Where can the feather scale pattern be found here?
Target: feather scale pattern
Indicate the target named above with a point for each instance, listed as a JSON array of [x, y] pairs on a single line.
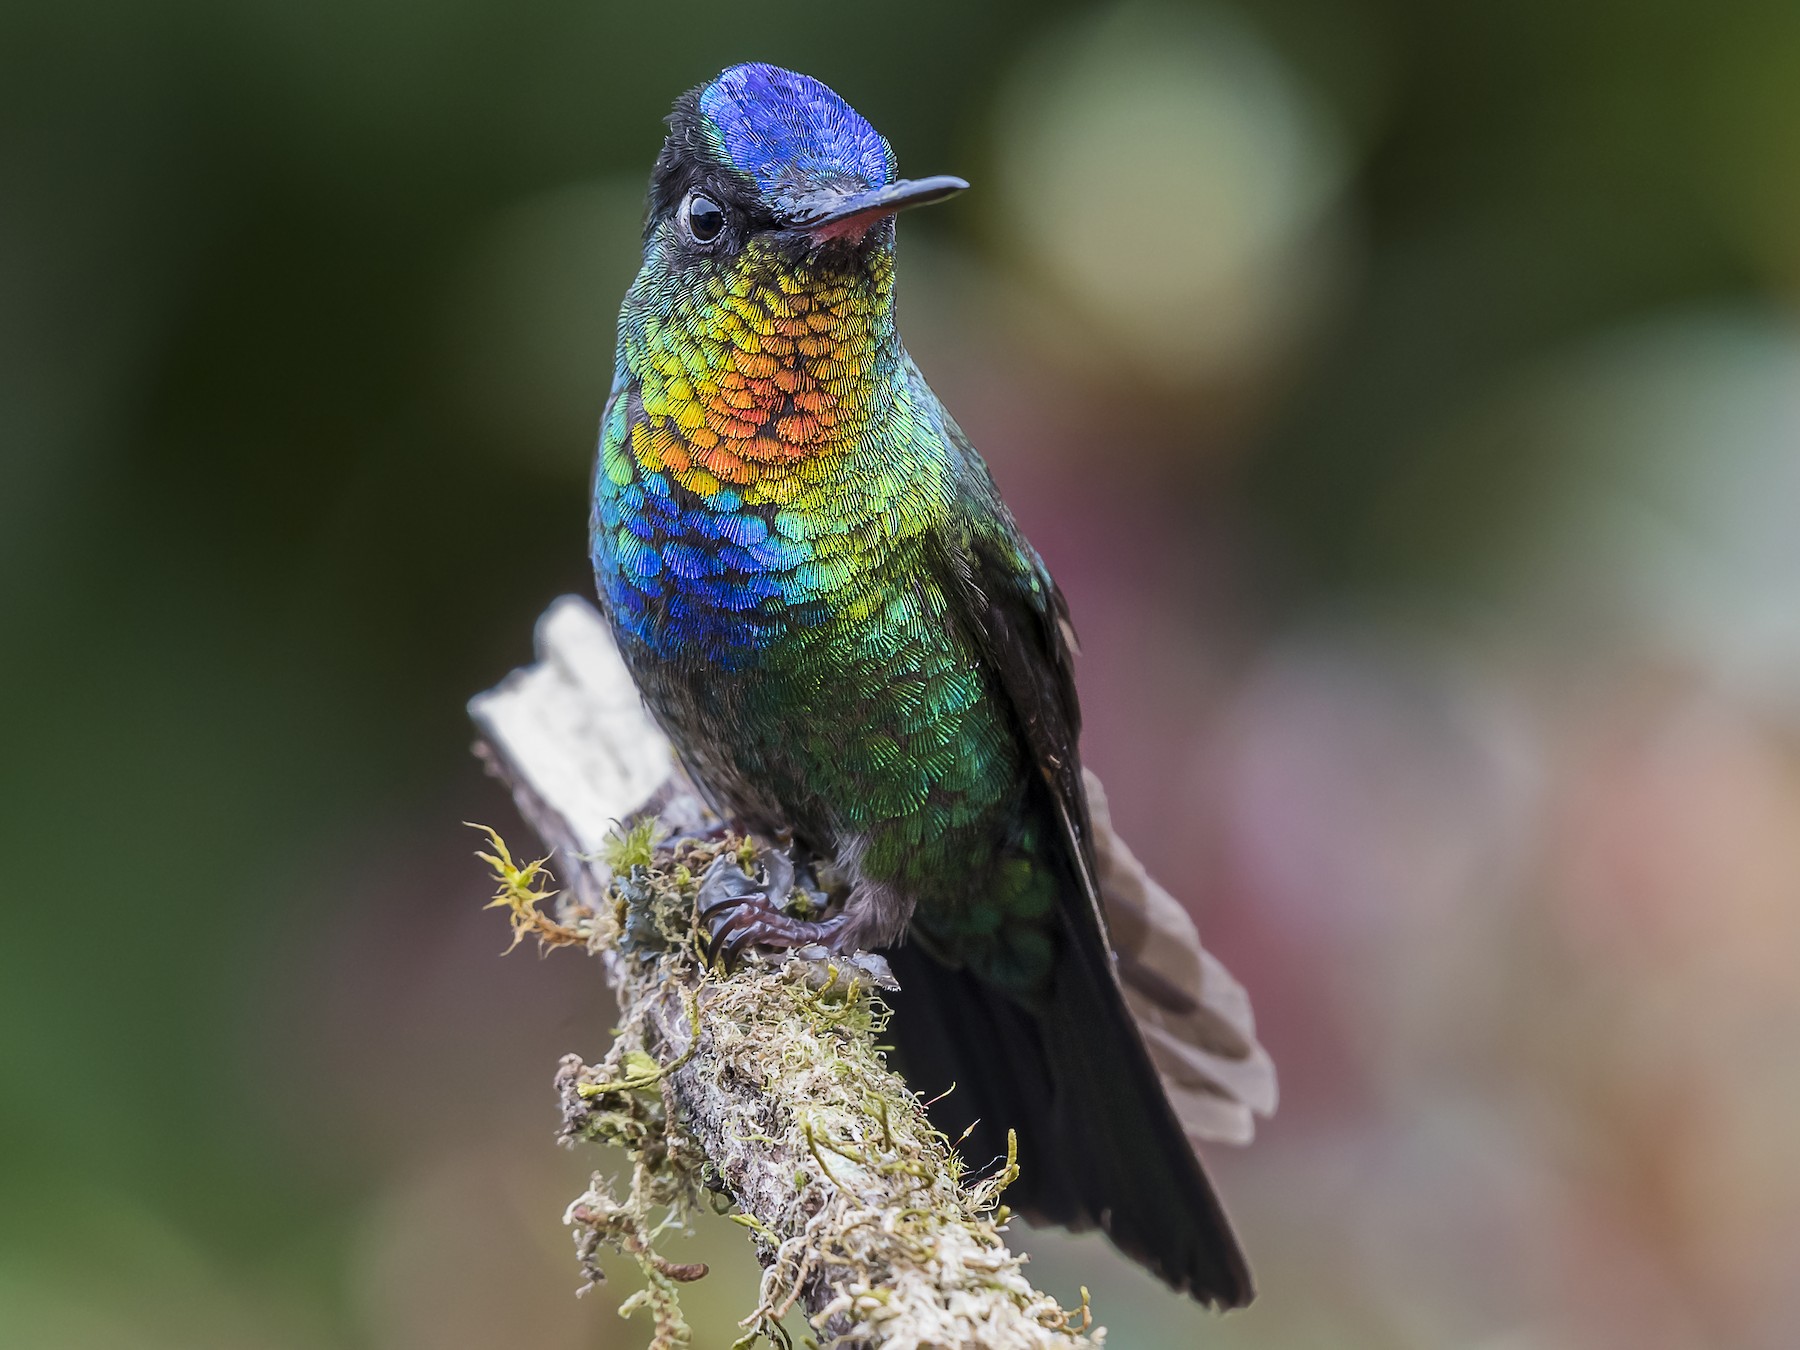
[[830, 610]]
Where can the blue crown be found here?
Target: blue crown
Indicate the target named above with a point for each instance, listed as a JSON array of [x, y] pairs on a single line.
[[791, 134]]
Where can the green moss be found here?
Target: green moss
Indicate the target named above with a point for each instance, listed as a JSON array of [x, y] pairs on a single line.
[[633, 847], [876, 1207]]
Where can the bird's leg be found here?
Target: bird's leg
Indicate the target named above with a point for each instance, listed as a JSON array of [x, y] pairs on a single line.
[[740, 912]]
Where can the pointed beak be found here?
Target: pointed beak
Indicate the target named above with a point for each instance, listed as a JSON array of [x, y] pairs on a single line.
[[838, 215]]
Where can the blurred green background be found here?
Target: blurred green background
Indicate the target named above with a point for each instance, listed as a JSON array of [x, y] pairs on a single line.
[[1407, 395]]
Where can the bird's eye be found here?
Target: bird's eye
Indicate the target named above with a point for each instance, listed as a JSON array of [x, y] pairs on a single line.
[[703, 217]]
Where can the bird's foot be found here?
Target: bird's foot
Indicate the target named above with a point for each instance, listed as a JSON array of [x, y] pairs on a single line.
[[740, 912]]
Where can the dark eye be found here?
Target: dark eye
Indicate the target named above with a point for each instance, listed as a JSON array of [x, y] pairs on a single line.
[[704, 217]]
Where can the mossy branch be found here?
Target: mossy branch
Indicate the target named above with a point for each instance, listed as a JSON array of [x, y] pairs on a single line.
[[761, 1092]]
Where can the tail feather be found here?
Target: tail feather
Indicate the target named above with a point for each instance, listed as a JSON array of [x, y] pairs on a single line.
[[1194, 1017], [1098, 1142], [1110, 1082]]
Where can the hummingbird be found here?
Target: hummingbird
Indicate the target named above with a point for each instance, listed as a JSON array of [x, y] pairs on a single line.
[[829, 609]]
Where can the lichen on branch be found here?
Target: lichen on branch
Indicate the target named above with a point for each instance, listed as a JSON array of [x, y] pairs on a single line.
[[763, 1093]]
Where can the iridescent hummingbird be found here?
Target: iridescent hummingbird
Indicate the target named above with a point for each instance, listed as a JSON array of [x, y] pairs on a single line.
[[833, 615]]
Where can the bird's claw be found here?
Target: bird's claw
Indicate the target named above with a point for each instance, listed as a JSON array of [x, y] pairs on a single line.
[[740, 913], [836, 973]]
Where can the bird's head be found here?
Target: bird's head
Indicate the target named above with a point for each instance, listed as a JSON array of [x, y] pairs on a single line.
[[766, 169], [760, 331]]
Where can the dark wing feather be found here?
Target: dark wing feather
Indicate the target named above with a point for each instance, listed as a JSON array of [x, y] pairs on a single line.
[[1099, 1142], [1028, 640]]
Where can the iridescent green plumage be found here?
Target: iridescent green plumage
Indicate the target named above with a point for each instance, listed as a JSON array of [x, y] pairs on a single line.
[[827, 605]]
